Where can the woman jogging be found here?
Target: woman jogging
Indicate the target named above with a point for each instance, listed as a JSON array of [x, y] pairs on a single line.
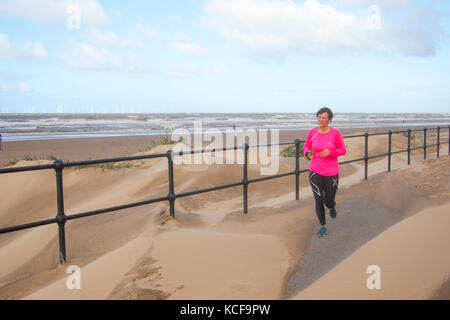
[[327, 145]]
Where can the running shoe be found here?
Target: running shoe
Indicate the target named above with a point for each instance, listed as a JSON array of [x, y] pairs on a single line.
[[323, 231], [333, 213]]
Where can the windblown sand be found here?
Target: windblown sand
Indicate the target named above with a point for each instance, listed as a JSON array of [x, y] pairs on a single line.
[[211, 250]]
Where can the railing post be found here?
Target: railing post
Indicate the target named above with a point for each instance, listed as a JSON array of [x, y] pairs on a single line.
[[390, 151], [438, 141], [424, 143], [60, 216], [366, 154], [297, 168], [171, 195], [245, 178], [409, 147]]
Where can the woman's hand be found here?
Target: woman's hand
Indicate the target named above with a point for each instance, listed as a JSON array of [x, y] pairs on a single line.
[[308, 155], [325, 153]]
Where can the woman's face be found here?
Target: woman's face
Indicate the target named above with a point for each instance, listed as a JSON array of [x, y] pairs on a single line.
[[323, 120]]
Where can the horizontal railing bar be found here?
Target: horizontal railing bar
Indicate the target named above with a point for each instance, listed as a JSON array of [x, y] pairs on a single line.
[[275, 144], [400, 131], [98, 161], [399, 151], [190, 152], [29, 168], [190, 193], [433, 145], [378, 133], [271, 177], [281, 144], [28, 225], [350, 161], [181, 153], [125, 206], [378, 155], [199, 151], [354, 136], [434, 128]]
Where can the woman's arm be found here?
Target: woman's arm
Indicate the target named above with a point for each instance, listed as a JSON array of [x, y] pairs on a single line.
[[340, 149], [308, 144]]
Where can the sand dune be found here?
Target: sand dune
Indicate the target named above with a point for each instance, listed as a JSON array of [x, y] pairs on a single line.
[[379, 144], [212, 250]]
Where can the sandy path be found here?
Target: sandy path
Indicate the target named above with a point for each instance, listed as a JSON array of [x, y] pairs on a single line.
[[209, 266], [412, 256], [368, 209]]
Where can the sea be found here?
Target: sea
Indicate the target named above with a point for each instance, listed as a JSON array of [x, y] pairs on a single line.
[[20, 127]]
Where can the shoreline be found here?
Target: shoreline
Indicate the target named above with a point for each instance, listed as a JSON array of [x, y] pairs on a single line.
[[77, 135]]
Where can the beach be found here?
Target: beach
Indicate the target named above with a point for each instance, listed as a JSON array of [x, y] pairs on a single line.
[[211, 250], [77, 149]]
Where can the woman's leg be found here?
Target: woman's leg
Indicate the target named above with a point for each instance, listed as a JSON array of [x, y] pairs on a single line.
[[330, 186], [316, 181]]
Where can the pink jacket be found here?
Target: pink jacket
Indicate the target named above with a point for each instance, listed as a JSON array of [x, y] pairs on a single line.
[[333, 141]]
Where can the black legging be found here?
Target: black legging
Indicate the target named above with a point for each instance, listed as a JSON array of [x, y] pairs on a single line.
[[324, 189]]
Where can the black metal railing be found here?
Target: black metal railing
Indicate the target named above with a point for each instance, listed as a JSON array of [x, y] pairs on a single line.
[[61, 217]]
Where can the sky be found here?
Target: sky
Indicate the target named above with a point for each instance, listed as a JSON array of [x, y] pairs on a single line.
[[224, 56]]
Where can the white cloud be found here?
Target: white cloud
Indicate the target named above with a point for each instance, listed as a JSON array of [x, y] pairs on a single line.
[[285, 27], [54, 10], [183, 44], [107, 38], [86, 56], [187, 48], [385, 5], [30, 51], [104, 50], [147, 31], [34, 50]]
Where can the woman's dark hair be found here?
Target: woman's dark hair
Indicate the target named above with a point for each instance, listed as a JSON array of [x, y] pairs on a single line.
[[327, 110]]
